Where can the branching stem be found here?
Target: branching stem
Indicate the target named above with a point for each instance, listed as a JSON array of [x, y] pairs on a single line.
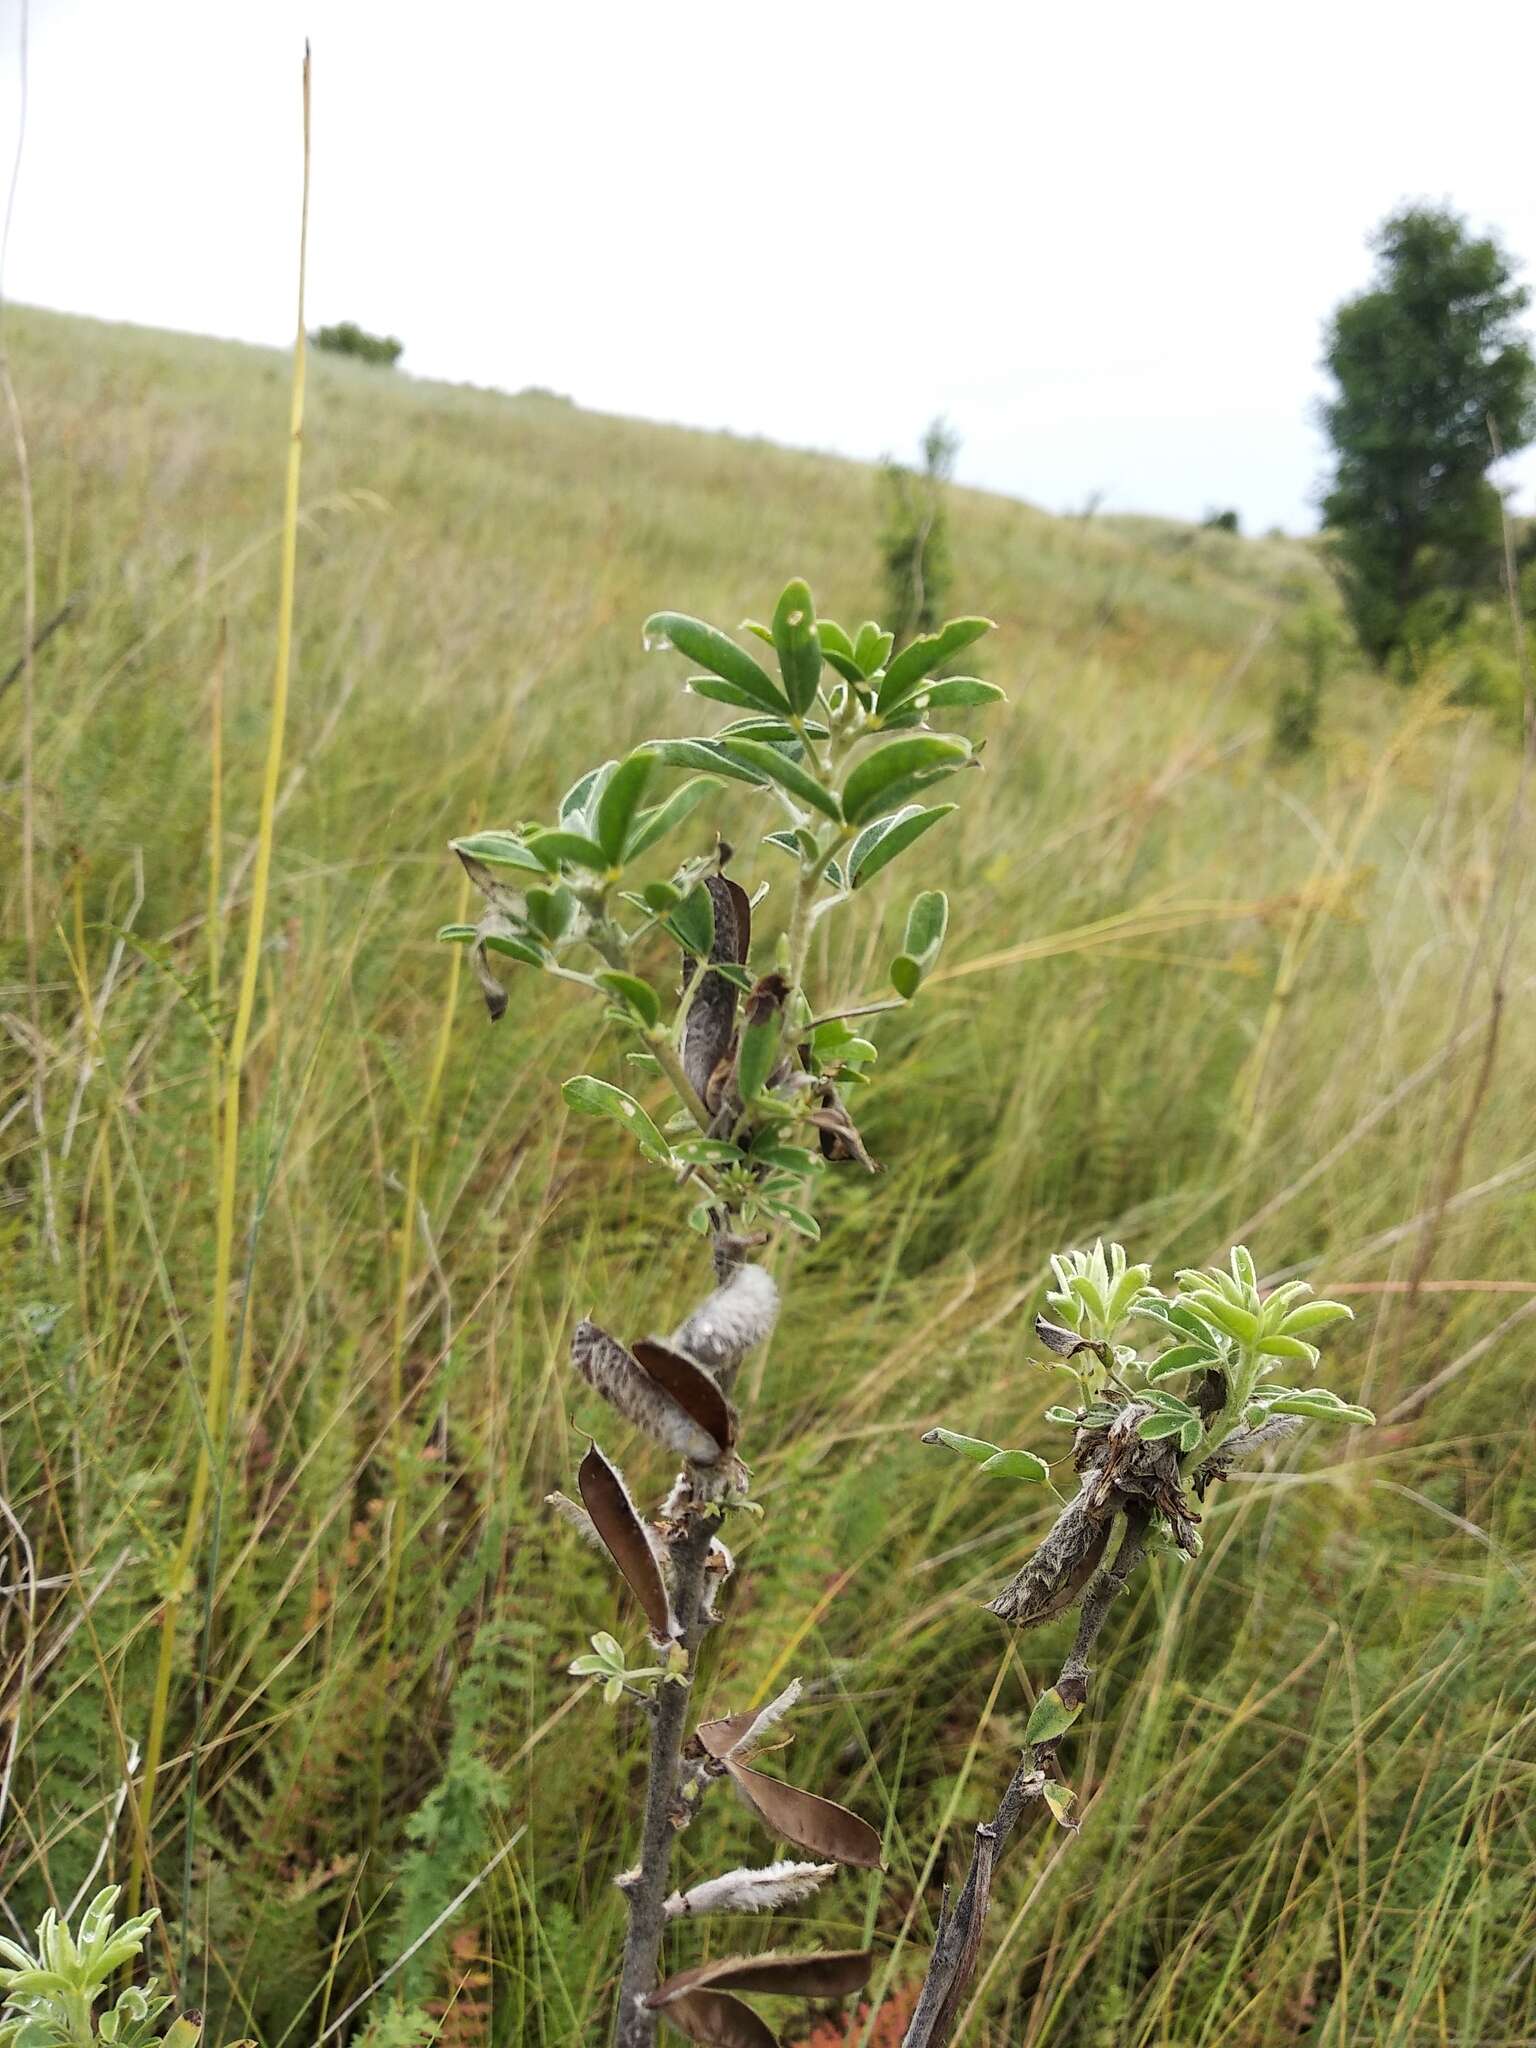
[[953, 1962]]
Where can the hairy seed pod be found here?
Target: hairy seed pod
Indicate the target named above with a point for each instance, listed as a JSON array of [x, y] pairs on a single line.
[[727, 1325], [752, 1891], [612, 1371]]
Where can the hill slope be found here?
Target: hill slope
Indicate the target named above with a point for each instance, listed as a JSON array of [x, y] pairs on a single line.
[[1188, 996]]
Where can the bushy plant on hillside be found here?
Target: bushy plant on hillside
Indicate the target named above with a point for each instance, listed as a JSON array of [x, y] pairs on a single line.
[[757, 1074], [1150, 1437], [1312, 641], [914, 539], [346, 338]]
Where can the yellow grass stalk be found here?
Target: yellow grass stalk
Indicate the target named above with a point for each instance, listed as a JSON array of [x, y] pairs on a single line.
[[399, 1422], [212, 1440]]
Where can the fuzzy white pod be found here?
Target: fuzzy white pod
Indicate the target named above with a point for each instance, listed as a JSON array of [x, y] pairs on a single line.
[[731, 1321], [751, 1891]]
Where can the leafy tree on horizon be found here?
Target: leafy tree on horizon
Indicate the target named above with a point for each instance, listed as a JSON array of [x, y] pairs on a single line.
[[1424, 360]]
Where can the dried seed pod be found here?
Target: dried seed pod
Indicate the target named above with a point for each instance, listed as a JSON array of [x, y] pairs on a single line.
[[740, 1736], [628, 1541], [711, 1020], [1054, 1577], [831, 1973], [575, 1516], [691, 1387], [820, 1825], [624, 1384], [731, 1321], [752, 1891], [838, 1134], [716, 2020]]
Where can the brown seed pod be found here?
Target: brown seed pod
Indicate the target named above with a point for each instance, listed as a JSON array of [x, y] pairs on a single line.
[[717, 2020], [691, 1387], [711, 1021], [1054, 1577], [639, 1396], [628, 1542], [830, 1973], [820, 1825]]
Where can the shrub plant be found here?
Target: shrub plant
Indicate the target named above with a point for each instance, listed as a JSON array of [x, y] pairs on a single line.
[[751, 1077]]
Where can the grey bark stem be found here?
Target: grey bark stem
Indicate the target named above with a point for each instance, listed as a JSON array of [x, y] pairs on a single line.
[[669, 1724], [953, 1962]]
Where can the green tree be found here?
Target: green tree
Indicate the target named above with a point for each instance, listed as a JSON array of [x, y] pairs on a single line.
[[1423, 360]]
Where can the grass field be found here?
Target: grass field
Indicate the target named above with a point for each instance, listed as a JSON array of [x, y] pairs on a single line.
[[1189, 995]]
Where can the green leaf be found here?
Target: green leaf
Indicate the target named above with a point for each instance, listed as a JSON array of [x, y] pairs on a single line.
[[660, 897], [550, 911], [884, 780], [635, 994], [1277, 1345], [793, 839], [872, 648], [1017, 1465], [498, 850], [708, 755], [1226, 1315], [772, 766], [458, 934], [1316, 1315], [792, 1214], [515, 949], [1179, 1359], [692, 923], [1321, 1404], [663, 818], [1049, 1718], [708, 1152], [756, 1054], [955, 690], [1088, 1294], [799, 650], [718, 691], [592, 1097], [1154, 1426], [579, 800], [619, 802], [789, 1158], [778, 730], [1190, 1434], [1060, 1799], [927, 922], [878, 844], [722, 657], [559, 849], [923, 655], [837, 649], [971, 1447]]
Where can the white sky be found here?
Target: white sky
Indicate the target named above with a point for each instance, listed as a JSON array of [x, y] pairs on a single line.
[[1101, 238]]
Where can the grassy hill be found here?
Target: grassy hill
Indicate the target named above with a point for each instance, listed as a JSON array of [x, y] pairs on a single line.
[[1190, 996]]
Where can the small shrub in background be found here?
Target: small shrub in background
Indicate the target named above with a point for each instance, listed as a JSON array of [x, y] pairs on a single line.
[[914, 541], [346, 338], [1313, 643], [1222, 522]]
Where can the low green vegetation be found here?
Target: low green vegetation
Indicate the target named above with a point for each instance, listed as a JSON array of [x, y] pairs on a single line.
[[1204, 994]]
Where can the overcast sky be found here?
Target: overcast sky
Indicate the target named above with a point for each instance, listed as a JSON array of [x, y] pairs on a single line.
[[1102, 239]]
